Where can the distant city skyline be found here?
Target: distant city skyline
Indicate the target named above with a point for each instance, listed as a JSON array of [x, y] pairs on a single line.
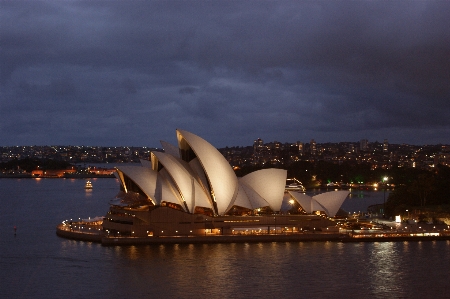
[[378, 155], [129, 73], [251, 143]]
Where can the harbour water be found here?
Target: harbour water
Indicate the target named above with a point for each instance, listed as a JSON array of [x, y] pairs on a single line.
[[35, 263]]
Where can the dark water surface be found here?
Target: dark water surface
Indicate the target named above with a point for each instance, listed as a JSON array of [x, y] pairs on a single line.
[[37, 264]]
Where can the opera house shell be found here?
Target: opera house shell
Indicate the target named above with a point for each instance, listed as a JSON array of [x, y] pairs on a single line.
[[193, 190]]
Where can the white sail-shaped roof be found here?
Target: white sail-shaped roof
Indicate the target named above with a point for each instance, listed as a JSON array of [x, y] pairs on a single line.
[[240, 200], [200, 198], [189, 189], [150, 182], [316, 206], [180, 177], [256, 200], [170, 149], [146, 163], [331, 201], [221, 177], [198, 175], [303, 200], [173, 187], [269, 183]]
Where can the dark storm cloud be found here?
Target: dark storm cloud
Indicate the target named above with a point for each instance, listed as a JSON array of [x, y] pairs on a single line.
[[130, 72], [187, 90]]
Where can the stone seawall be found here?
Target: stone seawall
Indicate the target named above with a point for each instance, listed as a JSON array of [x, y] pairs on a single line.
[[100, 237], [318, 237], [80, 236]]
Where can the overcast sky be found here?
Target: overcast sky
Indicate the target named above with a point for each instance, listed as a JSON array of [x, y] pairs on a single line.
[[128, 73]]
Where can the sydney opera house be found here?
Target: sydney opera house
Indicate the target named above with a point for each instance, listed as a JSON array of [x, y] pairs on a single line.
[[192, 190]]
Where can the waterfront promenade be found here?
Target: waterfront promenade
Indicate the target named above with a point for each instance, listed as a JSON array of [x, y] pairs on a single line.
[[83, 231]]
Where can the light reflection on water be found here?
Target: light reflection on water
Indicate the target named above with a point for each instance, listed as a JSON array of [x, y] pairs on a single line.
[[384, 269], [290, 270], [38, 264]]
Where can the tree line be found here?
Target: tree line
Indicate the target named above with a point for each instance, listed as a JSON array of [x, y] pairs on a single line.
[[427, 189], [30, 164]]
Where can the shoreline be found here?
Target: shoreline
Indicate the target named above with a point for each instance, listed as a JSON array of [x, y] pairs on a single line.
[[104, 240]]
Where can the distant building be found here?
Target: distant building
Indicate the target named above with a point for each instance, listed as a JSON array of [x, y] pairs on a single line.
[[385, 146], [259, 151], [313, 147], [364, 145], [351, 148], [258, 143], [300, 148], [442, 158]]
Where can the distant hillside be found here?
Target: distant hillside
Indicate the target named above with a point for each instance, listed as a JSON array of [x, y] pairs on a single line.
[[29, 164], [427, 195]]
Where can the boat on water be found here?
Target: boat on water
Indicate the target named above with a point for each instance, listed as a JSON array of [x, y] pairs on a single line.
[[88, 185], [294, 185]]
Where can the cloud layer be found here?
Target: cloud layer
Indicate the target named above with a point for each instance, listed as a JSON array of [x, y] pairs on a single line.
[[131, 72]]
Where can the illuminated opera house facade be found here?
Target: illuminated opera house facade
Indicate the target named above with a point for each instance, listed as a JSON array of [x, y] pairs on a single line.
[[191, 190]]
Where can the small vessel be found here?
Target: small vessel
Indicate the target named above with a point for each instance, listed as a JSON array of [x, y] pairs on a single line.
[[88, 185], [294, 185]]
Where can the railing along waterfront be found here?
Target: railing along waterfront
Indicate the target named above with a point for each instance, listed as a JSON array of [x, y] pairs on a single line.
[[396, 234], [399, 236]]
